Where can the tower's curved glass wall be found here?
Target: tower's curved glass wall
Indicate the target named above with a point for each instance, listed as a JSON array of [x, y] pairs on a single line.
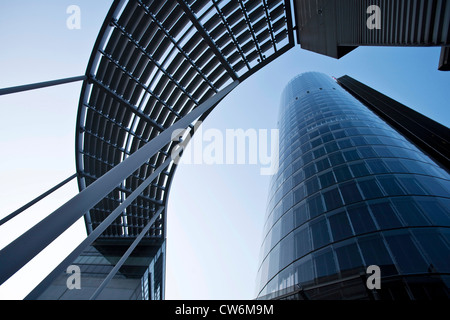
[[351, 192]]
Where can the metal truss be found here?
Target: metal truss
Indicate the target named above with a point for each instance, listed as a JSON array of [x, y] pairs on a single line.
[[153, 63]]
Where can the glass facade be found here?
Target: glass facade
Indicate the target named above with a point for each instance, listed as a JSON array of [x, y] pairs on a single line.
[[351, 192], [141, 277]]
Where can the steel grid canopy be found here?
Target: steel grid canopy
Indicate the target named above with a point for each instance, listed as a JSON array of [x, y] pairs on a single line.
[[154, 62]]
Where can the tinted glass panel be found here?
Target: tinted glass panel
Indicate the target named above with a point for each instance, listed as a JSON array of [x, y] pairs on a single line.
[[370, 188], [300, 214], [436, 249], [312, 185], [406, 253], [332, 199], [391, 185], [350, 192], [327, 179], [385, 215], [319, 231], [340, 226], [325, 265], [409, 212], [436, 212], [412, 185], [377, 166], [361, 219], [342, 173], [359, 169], [315, 205], [304, 270], [302, 242], [336, 159], [374, 252], [348, 257], [351, 155]]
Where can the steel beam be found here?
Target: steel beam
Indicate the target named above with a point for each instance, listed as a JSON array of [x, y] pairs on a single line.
[[39, 85], [19, 252], [95, 233], [37, 199]]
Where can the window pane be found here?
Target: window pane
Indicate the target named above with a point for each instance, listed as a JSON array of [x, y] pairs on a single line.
[[319, 232], [348, 257], [325, 265], [336, 159], [310, 170], [361, 220], [342, 173], [374, 252], [370, 188], [359, 169], [359, 141], [343, 144], [327, 179], [312, 185], [367, 152], [351, 155], [304, 270], [385, 215], [438, 214], [415, 166], [340, 226], [286, 251], [332, 199], [302, 242], [319, 152], [391, 185], [300, 214], [274, 260], [299, 193], [287, 223], [315, 205], [395, 165], [322, 164], [409, 212], [331, 147], [435, 248], [434, 186], [350, 192], [412, 185], [377, 166], [406, 254]]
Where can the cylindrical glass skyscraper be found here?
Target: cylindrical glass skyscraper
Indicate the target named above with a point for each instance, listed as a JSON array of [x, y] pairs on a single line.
[[351, 192]]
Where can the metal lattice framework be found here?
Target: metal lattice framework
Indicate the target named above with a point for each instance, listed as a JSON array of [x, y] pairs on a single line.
[[153, 63]]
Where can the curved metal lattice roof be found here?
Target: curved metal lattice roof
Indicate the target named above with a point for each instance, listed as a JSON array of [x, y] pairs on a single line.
[[153, 63]]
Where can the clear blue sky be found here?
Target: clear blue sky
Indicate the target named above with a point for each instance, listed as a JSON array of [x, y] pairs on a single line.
[[216, 212]]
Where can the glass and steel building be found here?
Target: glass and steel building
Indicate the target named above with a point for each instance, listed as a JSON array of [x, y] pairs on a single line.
[[351, 192], [160, 66]]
